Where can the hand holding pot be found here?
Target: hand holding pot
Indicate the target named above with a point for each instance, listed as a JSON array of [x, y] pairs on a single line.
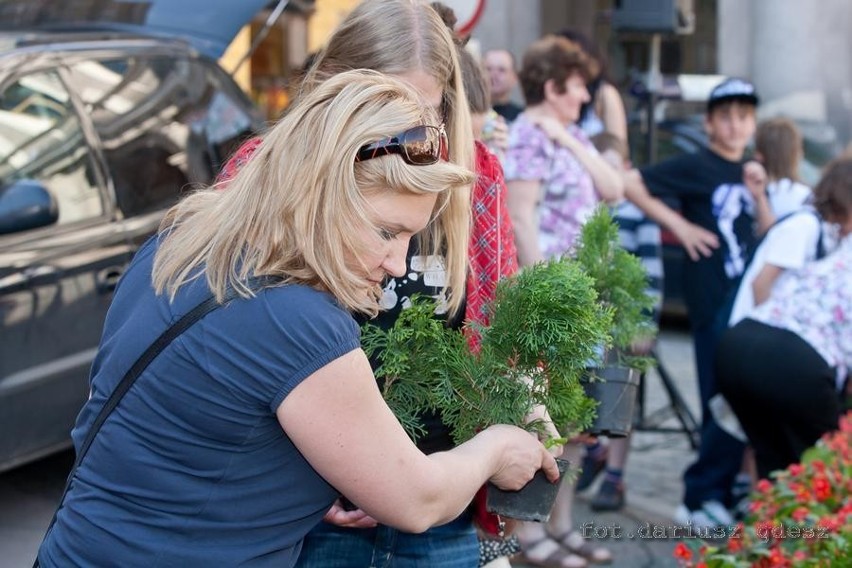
[[355, 519], [540, 414], [521, 457]]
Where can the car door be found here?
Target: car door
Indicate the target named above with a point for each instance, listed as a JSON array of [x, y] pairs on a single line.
[[157, 122], [55, 280]]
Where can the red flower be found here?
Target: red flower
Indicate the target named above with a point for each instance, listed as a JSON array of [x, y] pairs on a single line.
[[682, 552], [777, 558], [814, 494], [822, 488], [735, 545], [801, 492], [829, 523]]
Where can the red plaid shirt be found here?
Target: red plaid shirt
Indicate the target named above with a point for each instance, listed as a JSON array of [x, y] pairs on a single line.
[[492, 253]]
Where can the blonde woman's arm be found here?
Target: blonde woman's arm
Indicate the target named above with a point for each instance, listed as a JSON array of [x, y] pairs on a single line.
[[339, 421]]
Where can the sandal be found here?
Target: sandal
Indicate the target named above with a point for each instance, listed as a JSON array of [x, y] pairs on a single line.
[[574, 542], [549, 553]]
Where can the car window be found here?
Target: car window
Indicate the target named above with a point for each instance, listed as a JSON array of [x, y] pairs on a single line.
[[165, 124], [41, 141]]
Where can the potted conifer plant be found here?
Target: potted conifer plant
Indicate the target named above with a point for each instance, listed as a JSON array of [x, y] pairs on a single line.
[[621, 283], [545, 323]]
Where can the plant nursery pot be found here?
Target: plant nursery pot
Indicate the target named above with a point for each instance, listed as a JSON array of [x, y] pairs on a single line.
[[532, 502], [616, 392]]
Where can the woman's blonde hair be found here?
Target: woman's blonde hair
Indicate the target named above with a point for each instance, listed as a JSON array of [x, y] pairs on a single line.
[[293, 210], [398, 37]]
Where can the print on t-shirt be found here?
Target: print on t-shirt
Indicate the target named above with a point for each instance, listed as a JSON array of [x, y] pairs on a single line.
[[426, 272], [729, 202]]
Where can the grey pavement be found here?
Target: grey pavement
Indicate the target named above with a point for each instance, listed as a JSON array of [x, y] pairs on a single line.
[[653, 476]]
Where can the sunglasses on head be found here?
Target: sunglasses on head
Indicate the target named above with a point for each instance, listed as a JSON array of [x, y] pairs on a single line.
[[419, 146]]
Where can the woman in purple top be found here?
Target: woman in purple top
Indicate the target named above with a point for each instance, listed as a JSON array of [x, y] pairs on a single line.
[[554, 174], [555, 179]]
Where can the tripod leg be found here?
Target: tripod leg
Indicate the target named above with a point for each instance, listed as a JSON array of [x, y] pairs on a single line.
[[639, 413], [684, 415]]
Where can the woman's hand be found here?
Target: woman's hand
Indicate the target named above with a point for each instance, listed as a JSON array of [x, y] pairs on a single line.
[[554, 129], [521, 457], [498, 138], [356, 519], [549, 432]]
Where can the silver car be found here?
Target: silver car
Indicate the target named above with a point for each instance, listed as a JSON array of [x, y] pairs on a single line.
[[108, 112]]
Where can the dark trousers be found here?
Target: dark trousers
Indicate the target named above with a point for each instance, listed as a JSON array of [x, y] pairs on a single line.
[[782, 391], [720, 455]]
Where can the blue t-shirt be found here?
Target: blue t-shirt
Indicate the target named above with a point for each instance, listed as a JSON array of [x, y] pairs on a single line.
[[193, 468]]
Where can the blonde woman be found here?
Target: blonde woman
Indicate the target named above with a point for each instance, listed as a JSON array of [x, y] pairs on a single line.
[[237, 438], [409, 40]]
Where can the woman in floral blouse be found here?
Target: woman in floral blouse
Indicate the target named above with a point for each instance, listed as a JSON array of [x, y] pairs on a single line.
[[782, 367], [554, 174]]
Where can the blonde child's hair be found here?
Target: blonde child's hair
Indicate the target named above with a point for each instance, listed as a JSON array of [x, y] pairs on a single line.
[[779, 143]]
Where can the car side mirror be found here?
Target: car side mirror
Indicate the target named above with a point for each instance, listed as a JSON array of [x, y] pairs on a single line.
[[26, 204]]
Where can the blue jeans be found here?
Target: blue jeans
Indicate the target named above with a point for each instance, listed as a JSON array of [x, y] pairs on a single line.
[[453, 545], [720, 455]]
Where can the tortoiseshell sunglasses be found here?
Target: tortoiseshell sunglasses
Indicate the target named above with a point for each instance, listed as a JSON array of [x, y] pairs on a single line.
[[419, 146]]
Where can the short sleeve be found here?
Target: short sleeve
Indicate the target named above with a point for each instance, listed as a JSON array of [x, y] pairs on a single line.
[[529, 153], [266, 346], [792, 242], [666, 179]]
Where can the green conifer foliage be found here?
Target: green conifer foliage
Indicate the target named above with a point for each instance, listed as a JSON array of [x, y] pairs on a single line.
[[621, 283], [545, 326]]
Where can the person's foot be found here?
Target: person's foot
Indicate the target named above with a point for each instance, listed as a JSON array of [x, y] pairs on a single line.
[[740, 491], [593, 464], [711, 514], [549, 553], [577, 544], [610, 496]]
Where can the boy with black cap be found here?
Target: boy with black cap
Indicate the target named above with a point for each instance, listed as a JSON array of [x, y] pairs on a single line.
[[724, 207]]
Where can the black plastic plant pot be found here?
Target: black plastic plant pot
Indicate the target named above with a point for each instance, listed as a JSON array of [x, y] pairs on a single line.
[[615, 389], [532, 502]]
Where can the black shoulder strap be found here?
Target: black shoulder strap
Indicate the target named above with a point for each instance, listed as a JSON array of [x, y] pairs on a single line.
[[185, 322]]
